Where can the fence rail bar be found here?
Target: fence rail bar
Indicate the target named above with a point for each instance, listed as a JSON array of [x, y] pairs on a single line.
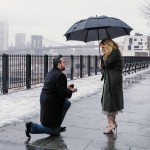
[[72, 70], [5, 73], [28, 71]]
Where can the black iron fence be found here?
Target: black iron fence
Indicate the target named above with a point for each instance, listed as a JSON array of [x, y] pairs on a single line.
[[132, 64], [26, 70]]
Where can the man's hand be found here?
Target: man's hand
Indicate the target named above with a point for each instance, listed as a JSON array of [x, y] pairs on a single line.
[[74, 90], [71, 87]]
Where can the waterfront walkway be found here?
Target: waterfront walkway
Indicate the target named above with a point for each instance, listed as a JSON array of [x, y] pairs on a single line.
[[85, 124]]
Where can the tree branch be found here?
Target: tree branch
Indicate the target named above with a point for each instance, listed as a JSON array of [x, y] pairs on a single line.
[[145, 11]]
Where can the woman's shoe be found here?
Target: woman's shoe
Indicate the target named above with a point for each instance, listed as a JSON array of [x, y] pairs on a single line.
[[116, 129], [109, 130]]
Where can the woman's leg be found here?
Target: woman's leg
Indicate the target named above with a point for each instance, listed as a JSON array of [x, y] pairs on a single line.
[[110, 121], [114, 120], [111, 125]]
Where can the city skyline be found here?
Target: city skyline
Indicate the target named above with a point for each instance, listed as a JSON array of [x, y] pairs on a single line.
[[51, 19]]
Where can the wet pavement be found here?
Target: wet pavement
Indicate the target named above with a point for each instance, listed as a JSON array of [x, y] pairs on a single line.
[[85, 123]]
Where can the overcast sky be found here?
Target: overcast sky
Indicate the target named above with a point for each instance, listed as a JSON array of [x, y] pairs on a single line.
[[52, 18]]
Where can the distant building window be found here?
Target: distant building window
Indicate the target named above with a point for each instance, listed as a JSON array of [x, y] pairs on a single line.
[[129, 47], [136, 46], [139, 43], [130, 40], [135, 39], [141, 39], [141, 54]]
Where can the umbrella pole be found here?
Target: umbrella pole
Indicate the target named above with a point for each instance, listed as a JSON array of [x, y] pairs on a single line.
[[99, 50], [98, 44]]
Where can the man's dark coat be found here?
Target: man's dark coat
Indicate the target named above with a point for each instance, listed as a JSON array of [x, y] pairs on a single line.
[[53, 95]]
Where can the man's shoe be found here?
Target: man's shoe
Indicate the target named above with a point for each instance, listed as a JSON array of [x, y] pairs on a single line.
[[62, 129], [28, 128]]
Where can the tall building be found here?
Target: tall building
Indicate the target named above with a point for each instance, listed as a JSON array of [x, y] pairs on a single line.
[[3, 36], [20, 40]]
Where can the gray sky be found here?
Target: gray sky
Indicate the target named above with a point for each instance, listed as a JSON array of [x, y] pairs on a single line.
[[52, 18]]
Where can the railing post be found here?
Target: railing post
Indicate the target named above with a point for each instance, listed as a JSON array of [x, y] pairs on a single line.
[[72, 64], [95, 64], [45, 65], [28, 71], [5, 73], [125, 60], [81, 66], [89, 65]]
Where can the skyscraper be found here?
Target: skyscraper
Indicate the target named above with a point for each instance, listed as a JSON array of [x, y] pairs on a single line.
[[3, 36], [20, 40]]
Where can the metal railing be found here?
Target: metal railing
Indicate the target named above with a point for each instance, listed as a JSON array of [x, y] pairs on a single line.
[[132, 64], [26, 70]]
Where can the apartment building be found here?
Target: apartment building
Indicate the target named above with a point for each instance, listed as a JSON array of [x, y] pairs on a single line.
[[137, 45]]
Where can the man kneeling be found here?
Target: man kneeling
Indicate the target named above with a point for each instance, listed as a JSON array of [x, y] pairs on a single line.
[[53, 101]]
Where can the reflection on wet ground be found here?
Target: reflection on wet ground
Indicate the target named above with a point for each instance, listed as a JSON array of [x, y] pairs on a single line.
[[111, 141], [46, 143]]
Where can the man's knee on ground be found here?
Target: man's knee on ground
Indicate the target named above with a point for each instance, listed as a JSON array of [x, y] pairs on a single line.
[[67, 104]]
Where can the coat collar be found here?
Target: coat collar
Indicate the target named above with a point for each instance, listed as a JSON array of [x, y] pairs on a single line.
[[55, 68]]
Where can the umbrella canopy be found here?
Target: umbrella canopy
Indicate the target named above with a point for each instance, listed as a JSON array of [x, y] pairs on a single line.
[[97, 28]]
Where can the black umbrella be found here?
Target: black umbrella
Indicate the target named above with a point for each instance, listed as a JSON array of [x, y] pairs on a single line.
[[97, 28]]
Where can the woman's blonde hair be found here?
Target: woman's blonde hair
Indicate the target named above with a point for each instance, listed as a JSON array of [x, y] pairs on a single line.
[[110, 45]]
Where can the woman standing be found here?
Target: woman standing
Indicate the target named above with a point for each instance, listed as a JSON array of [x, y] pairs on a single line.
[[112, 96]]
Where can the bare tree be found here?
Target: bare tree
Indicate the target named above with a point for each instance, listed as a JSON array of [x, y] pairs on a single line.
[[145, 11]]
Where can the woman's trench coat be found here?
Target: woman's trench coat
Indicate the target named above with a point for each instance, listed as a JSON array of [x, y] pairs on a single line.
[[53, 95], [112, 96]]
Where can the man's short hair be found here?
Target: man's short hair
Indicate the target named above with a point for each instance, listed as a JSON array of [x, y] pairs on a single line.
[[57, 60]]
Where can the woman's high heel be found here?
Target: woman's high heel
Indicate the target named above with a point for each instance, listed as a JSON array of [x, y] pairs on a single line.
[[116, 128], [109, 130], [116, 125]]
